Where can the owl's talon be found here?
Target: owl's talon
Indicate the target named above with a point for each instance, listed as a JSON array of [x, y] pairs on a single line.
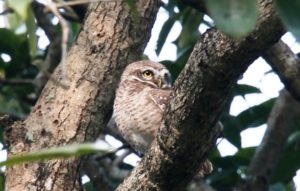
[[206, 168]]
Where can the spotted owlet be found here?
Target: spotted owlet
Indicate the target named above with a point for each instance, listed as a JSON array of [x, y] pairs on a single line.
[[141, 99]]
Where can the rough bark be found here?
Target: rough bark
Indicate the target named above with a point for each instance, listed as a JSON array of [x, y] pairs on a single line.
[[110, 39], [280, 124], [287, 65], [187, 132]]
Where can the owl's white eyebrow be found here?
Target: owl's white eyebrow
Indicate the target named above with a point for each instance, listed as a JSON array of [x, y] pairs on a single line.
[[145, 82]]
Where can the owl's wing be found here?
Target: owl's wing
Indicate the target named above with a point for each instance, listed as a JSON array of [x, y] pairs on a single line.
[[160, 97]]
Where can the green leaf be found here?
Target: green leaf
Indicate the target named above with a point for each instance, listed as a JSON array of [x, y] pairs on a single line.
[[89, 187], [2, 181], [190, 21], [20, 7], [60, 152], [236, 18], [243, 89], [243, 156], [9, 41], [290, 14], [165, 32], [232, 130], [256, 115], [252, 117], [15, 21], [230, 168], [293, 140], [11, 44], [31, 31], [288, 165], [174, 68]]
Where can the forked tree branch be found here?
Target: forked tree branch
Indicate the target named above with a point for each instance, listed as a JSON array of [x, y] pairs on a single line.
[[187, 132]]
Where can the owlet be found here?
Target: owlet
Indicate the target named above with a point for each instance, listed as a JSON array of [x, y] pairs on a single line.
[[141, 99]]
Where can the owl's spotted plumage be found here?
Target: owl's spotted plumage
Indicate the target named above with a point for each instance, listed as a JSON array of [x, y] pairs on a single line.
[[141, 99]]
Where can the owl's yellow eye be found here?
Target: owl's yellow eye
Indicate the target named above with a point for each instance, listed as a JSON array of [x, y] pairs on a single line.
[[148, 74]]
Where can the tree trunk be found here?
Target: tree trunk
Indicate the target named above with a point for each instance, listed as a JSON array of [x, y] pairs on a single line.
[[110, 39]]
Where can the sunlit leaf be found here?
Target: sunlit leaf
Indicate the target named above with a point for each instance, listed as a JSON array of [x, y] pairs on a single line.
[[236, 18], [60, 152], [21, 7], [15, 21], [31, 30], [289, 12]]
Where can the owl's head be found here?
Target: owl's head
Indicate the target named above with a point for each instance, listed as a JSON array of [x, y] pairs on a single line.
[[148, 73]]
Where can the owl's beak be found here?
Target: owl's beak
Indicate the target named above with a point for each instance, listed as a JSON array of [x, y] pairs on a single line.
[[159, 82]]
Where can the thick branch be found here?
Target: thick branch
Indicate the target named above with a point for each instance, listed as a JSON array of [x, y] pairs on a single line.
[[287, 65], [108, 41], [187, 133], [280, 124]]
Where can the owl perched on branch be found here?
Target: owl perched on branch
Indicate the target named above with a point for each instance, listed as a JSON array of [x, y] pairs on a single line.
[[141, 99]]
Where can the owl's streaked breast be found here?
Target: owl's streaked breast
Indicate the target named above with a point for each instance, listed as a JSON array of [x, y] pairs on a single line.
[[137, 117]]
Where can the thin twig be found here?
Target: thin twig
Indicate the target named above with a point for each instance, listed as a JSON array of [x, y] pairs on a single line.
[[65, 36], [77, 2], [16, 82]]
